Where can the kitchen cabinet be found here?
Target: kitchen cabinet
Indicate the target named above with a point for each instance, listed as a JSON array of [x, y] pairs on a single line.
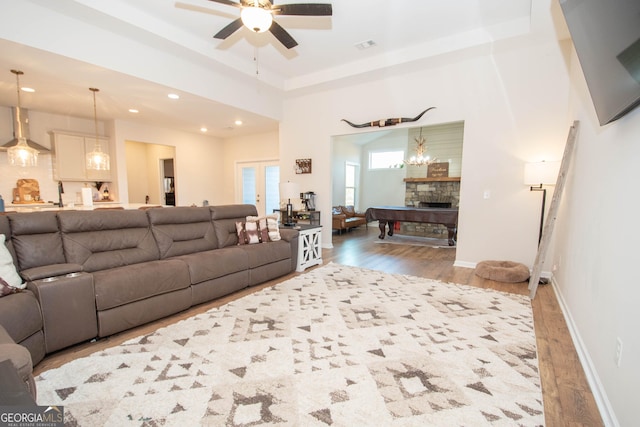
[[70, 152]]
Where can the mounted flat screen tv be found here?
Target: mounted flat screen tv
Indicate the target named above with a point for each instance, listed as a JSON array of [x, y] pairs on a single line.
[[606, 35]]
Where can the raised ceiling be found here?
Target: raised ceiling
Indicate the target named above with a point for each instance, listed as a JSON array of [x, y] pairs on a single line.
[[137, 51]]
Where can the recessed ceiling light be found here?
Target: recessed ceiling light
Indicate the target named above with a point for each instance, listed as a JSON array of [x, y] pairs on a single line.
[[203, 129], [28, 89], [133, 110], [174, 96], [238, 122], [365, 44]]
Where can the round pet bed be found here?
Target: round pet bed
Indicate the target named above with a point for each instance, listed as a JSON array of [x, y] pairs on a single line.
[[503, 271]]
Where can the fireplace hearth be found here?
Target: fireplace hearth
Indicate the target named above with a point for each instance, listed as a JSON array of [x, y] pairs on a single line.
[[435, 204], [432, 193]]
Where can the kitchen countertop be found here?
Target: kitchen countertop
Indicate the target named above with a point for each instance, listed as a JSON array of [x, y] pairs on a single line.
[[40, 207]]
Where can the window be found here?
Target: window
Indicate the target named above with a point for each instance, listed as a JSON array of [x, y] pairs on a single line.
[[350, 184], [385, 159]]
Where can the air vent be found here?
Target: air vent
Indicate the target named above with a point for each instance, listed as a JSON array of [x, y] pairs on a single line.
[[365, 44]]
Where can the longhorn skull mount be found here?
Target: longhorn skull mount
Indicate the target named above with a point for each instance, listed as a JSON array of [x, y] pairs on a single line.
[[388, 122]]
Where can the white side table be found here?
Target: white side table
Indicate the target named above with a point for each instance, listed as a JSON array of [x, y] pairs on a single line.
[[309, 246]]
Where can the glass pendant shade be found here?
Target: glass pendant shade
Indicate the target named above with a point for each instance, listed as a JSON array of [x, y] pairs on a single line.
[[256, 19], [22, 155], [97, 159]]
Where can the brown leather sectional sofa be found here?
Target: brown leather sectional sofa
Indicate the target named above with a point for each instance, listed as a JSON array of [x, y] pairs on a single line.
[[91, 274]]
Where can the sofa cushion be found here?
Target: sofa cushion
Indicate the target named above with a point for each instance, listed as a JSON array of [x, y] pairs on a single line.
[[259, 255], [36, 239], [8, 272], [123, 285], [182, 230], [99, 240], [209, 265], [20, 315]]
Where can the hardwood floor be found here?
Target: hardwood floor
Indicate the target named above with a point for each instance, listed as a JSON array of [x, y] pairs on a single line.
[[568, 400]]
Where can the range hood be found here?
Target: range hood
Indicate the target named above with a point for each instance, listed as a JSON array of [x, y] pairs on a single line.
[[24, 118]]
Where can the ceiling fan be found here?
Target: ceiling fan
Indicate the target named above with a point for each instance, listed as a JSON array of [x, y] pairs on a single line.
[[257, 15]]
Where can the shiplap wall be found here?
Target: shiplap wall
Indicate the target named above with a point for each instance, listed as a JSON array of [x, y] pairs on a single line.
[[443, 141]]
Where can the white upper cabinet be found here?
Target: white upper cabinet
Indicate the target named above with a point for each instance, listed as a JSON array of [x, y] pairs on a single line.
[[70, 157]]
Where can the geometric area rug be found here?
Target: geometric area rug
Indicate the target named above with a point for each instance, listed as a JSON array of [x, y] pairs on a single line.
[[336, 346]]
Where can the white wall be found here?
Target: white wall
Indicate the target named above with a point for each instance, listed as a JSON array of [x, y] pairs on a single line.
[[514, 107], [143, 171], [383, 187], [250, 148], [199, 161], [597, 237], [344, 151]]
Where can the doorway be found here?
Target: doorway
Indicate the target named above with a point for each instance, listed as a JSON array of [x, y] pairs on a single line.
[[146, 172], [257, 184], [168, 181]]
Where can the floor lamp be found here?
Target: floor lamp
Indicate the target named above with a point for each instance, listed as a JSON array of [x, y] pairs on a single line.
[[537, 175], [289, 190]]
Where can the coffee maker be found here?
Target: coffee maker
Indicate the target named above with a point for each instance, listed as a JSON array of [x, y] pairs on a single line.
[[309, 200]]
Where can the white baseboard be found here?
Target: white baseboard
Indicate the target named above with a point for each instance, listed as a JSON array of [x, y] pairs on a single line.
[[467, 264], [599, 394]]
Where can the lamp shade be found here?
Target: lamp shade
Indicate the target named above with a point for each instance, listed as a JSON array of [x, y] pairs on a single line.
[[256, 19], [289, 190], [545, 173]]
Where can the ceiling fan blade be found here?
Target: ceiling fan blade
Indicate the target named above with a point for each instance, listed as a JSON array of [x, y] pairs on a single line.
[[229, 29], [227, 2], [304, 9], [282, 35]]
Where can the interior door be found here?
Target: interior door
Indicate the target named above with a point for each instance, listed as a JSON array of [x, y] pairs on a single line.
[[258, 184]]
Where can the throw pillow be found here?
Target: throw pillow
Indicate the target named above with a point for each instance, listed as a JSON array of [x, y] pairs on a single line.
[[242, 235], [252, 232], [272, 225], [5, 289], [7, 269], [261, 225]]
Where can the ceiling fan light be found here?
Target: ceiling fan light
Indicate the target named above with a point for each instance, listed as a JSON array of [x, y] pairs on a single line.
[[256, 19]]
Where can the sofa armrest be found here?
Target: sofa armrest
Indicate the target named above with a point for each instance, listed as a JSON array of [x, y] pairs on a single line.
[[288, 234], [291, 236], [53, 270], [68, 309], [20, 363]]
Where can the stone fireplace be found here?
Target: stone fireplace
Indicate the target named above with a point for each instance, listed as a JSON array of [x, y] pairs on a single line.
[[430, 192]]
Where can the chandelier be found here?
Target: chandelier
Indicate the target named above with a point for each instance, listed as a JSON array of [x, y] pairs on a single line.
[[21, 154], [420, 158], [97, 159]]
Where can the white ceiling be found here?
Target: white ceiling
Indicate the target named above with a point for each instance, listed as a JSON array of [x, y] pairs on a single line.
[[404, 31]]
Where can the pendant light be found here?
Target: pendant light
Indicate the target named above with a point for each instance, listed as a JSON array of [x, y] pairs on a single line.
[[21, 154], [97, 159]]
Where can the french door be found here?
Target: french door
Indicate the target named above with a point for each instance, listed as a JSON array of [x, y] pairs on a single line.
[[258, 184]]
